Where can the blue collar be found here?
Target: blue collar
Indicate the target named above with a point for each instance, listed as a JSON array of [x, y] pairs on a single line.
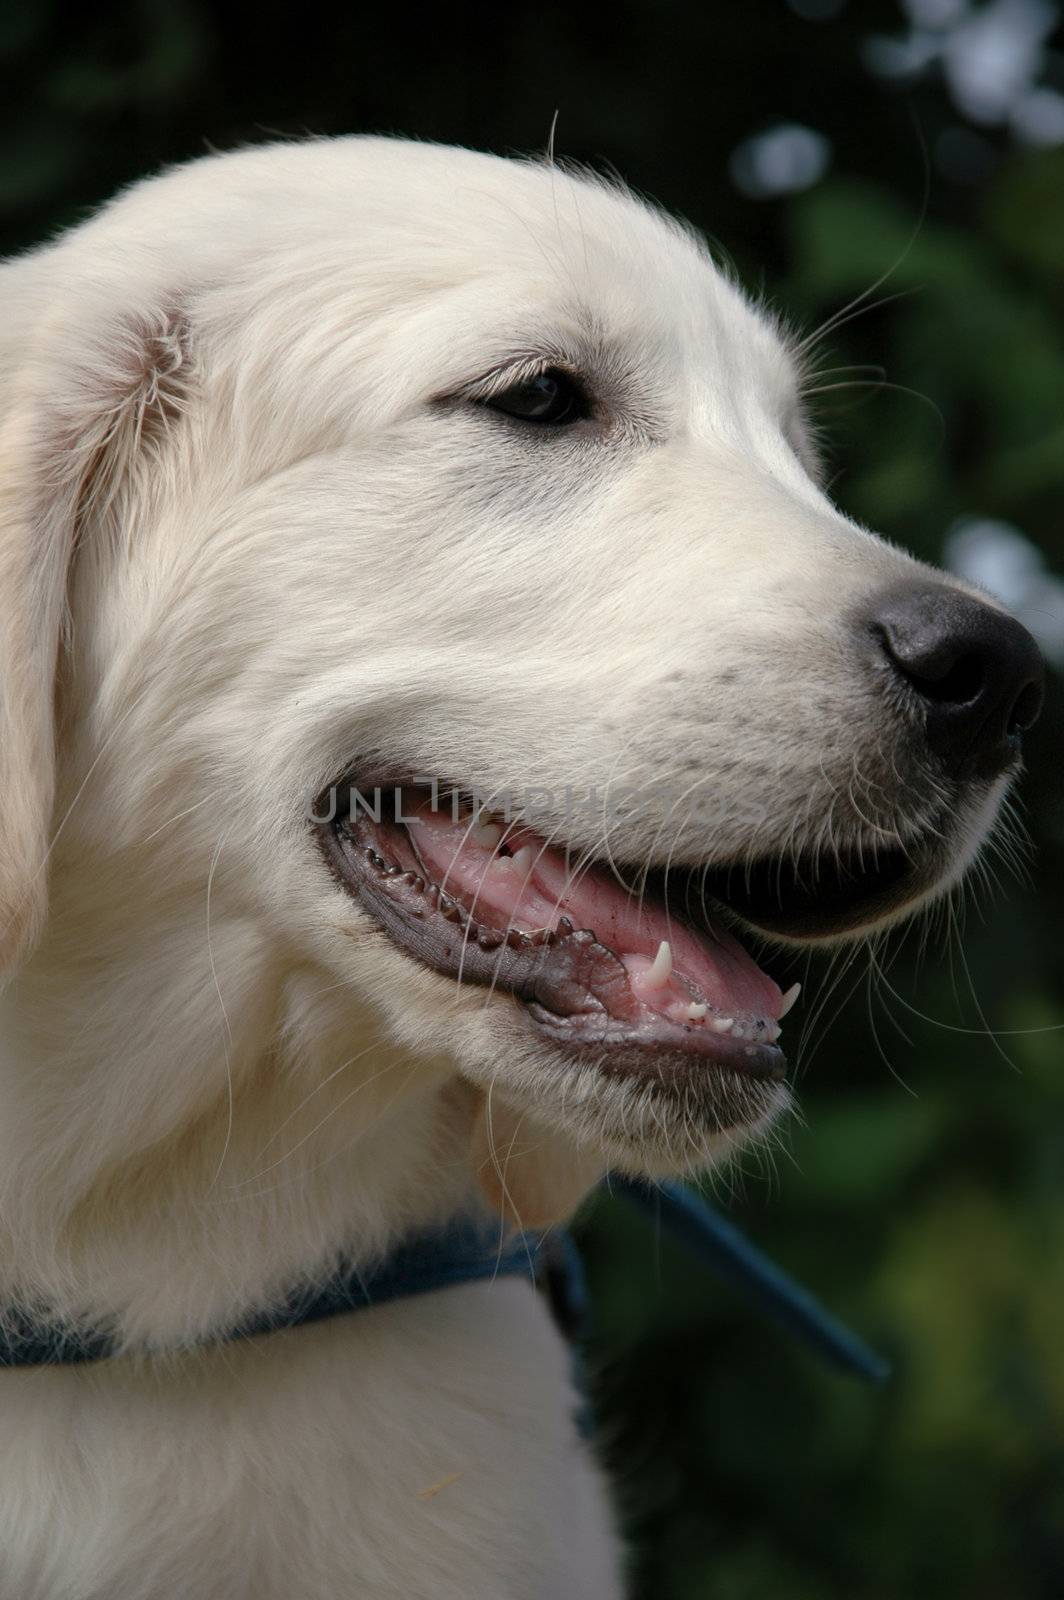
[[468, 1250]]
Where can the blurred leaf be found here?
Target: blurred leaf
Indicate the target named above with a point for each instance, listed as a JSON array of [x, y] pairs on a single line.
[[21, 26], [1024, 212], [866, 1147], [45, 162]]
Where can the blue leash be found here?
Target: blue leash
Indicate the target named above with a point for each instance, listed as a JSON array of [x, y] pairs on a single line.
[[470, 1250]]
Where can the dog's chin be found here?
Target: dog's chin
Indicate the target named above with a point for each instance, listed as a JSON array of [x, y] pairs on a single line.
[[643, 1113], [634, 1023]]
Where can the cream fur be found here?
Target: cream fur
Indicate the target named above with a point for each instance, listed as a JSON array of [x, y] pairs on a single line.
[[247, 533]]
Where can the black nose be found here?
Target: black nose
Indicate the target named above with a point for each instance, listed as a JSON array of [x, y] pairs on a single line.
[[977, 672]]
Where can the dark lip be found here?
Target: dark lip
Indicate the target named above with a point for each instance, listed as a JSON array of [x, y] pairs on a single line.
[[831, 897], [394, 889]]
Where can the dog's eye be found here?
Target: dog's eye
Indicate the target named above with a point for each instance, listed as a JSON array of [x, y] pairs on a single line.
[[550, 397]]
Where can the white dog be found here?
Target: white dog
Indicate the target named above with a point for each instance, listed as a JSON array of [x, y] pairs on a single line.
[[404, 554]]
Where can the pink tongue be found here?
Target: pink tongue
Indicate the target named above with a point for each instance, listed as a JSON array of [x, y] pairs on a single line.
[[533, 888]]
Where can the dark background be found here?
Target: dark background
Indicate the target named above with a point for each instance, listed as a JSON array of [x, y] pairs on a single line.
[[913, 155]]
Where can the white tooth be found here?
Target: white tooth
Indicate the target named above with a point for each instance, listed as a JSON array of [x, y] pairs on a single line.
[[724, 1024], [486, 834], [524, 859], [788, 1000], [695, 1012], [657, 975], [774, 1032]]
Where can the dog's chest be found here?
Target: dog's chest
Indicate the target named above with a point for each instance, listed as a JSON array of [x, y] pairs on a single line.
[[426, 1447]]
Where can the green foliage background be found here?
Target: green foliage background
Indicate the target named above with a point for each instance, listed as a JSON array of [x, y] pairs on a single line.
[[922, 1197]]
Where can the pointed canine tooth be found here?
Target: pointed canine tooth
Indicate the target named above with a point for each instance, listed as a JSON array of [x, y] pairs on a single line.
[[524, 859], [723, 1024], [696, 1011], [486, 834], [788, 1000], [659, 972], [564, 927]]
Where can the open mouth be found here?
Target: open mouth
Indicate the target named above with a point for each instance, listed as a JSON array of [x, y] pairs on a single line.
[[652, 981], [649, 981]]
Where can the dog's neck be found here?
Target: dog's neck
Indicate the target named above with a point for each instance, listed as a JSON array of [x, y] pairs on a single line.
[[174, 1155]]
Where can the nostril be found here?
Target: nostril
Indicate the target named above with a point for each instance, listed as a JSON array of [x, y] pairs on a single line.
[[1026, 709], [941, 666], [962, 681], [975, 673]]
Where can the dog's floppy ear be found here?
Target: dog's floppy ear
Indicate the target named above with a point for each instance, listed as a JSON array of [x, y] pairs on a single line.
[[533, 1175], [89, 389]]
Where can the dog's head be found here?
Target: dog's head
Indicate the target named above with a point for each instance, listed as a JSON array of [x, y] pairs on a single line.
[[427, 553]]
